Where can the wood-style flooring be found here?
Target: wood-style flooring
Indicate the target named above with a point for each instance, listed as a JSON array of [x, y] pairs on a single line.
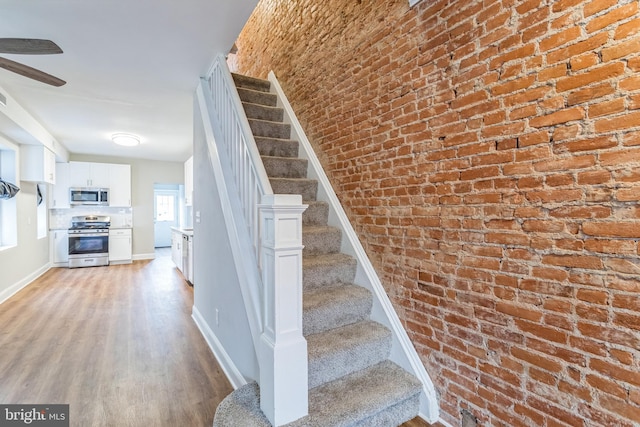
[[116, 343]]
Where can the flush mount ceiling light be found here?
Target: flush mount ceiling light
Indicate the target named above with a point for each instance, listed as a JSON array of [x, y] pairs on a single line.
[[125, 139]]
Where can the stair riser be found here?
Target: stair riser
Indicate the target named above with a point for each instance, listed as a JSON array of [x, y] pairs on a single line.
[[326, 275], [277, 147], [261, 112], [333, 366], [316, 214], [285, 167], [345, 312], [325, 242], [255, 97], [270, 129], [399, 413], [306, 188], [251, 83]]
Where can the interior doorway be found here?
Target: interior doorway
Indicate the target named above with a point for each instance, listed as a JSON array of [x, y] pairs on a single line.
[[166, 212]]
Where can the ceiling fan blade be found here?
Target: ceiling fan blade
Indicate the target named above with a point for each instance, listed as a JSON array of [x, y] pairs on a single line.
[[28, 46], [32, 73]]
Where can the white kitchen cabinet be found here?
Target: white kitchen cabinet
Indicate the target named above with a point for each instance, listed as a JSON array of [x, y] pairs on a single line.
[[119, 185], [37, 164], [115, 177], [88, 174], [60, 249], [120, 250], [176, 249], [60, 199], [188, 182]]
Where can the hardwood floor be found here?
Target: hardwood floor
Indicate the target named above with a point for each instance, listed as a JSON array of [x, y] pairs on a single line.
[[115, 343]]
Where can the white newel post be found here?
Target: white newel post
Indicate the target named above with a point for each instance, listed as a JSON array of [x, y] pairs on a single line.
[[283, 349]]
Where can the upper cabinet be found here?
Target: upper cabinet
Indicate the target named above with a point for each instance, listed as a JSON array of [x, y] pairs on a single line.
[[60, 199], [188, 182], [37, 164], [120, 185], [87, 174], [115, 177]]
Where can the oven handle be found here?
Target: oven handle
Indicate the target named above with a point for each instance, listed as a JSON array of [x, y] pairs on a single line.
[[88, 234]]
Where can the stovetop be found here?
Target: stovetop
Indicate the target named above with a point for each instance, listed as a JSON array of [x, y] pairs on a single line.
[[90, 223]]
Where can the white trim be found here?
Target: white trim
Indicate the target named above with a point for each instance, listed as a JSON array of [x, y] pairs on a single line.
[[17, 287], [413, 2], [142, 257], [403, 351], [226, 363]]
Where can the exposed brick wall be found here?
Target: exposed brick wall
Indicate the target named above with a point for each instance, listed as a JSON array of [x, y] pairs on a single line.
[[488, 154]]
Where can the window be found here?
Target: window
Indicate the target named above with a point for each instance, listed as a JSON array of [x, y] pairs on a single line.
[[165, 207], [8, 207]]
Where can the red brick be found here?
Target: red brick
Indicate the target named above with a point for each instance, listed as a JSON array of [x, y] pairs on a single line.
[[589, 45], [608, 229], [599, 74], [562, 116], [560, 39], [628, 29], [596, 6], [612, 17]]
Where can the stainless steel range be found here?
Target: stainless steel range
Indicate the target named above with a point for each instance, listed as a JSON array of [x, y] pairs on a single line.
[[89, 241]]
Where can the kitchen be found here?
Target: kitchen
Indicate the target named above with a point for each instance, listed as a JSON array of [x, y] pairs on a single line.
[[33, 254]]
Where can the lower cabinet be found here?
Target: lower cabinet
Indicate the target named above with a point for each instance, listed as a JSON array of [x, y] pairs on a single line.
[[60, 249], [120, 250], [176, 249]]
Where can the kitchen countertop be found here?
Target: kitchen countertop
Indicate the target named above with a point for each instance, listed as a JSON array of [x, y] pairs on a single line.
[[184, 230]]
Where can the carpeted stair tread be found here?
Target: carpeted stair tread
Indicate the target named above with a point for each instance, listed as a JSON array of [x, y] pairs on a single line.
[[342, 351], [308, 188], [285, 167], [361, 398], [321, 239], [317, 213], [327, 269], [263, 112], [270, 129], [257, 97], [251, 82], [383, 395], [333, 307], [277, 147]]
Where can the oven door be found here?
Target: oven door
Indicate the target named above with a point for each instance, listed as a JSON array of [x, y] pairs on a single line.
[[88, 249], [88, 243]]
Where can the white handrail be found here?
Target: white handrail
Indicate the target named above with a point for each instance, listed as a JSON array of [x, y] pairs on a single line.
[[250, 176]]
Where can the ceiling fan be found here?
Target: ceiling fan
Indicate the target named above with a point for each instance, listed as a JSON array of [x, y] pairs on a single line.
[[29, 47]]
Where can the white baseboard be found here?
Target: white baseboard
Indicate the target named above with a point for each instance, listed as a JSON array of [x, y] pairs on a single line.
[[139, 257], [16, 287], [233, 374]]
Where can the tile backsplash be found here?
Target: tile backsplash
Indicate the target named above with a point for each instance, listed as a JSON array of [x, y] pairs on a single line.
[[61, 218]]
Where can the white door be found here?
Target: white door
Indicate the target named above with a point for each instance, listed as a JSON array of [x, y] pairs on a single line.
[[165, 216]]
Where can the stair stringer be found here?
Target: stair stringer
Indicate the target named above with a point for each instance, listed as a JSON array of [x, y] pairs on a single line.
[[403, 352]]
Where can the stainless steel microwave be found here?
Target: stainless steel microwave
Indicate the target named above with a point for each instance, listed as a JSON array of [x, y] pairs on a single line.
[[88, 196]]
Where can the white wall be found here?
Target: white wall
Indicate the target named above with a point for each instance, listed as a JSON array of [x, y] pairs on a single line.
[[144, 174], [20, 264], [216, 285]]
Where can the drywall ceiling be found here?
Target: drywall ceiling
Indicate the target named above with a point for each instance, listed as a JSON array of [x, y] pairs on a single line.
[[130, 66]]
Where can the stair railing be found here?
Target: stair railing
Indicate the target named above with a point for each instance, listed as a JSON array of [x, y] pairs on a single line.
[[271, 276]]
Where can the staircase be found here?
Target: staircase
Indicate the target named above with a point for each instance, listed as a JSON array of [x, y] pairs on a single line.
[[351, 380]]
